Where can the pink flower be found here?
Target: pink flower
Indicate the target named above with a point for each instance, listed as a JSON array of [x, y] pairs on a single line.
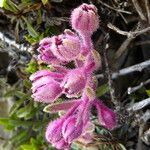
[[46, 87], [54, 130], [74, 125], [66, 47], [45, 52], [84, 19], [71, 129], [106, 116], [53, 134], [74, 82]]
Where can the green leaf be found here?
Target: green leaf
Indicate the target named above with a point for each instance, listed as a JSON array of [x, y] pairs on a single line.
[[10, 93], [39, 19], [122, 147], [10, 123], [23, 112], [34, 142], [27, 84], [21, 23], [148, 92], [31, 114], [6, 123], [36, 104], [44, 1], [30, 29], [21, 95], [20, 137], [2, 3], [51, 30], [27, 147], [36, 127], [19, 102], [11, 6], [32, 67], [102, 90], [16, 105], [33, 145], [17, 93]]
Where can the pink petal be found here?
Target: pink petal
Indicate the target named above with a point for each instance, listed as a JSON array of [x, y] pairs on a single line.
[[43, 73], [106, 116], [63, 106], [47, 93]]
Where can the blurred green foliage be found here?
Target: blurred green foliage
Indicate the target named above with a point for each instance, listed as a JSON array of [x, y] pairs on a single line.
[[29, 15], [26, 119]]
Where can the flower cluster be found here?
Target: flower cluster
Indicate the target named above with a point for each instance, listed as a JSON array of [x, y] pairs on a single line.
[[77, 83]]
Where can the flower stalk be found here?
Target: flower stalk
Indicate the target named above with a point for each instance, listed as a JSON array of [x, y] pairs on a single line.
[[78, 83]]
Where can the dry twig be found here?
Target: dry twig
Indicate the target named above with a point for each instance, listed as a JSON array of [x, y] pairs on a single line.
[[139, 105], [110, 82], [122, 72], [139, 10], [130, 33], [142, 42], [133, 89], [113, 8], [134, 68], [130, 36], [147, 6]]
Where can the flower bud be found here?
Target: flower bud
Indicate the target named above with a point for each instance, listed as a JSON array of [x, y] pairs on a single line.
[[43, 73], [45, 52], [75, 123], [72, 129], [54, 135], [66, 47], [84, 19], [74, 82], [45, 88], [54, 131]]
